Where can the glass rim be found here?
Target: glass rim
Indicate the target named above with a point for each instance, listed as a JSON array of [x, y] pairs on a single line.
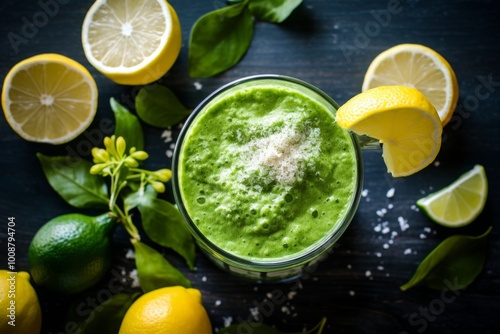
[[302, 256]]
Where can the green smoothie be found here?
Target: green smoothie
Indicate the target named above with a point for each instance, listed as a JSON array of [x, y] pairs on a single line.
[[265, 173]]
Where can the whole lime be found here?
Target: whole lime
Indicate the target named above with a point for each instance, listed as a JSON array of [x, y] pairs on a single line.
[[72, 252]]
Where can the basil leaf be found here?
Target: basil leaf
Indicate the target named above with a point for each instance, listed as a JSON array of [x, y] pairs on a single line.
[[72, 180], [457, 260], [274, 11], [219, 40], [163, 224], [158, 106], [259, 328], [127, 126], [134, 198], [107, 317], [154, 271]]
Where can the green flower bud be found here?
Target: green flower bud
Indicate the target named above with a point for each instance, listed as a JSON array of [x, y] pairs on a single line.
[[163, 175], [158, 186], [120, 146], [131, 162], [96, 169], [139, 155], [132, 150]]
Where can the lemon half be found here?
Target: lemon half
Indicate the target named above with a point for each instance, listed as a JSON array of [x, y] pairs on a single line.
[[132, 42], [419, 67], [49, 98]]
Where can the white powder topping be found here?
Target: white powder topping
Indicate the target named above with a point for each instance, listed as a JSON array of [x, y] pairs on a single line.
[[280, 154], [390, 193]]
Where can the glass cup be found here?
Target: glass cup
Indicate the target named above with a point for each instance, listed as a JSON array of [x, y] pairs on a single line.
[[276, 269]]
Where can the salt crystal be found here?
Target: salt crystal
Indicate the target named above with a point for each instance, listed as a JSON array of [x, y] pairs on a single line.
[[386, 246], [291, 295], [349, 266], [390, 193], [407, 251], [422, 236], [364, 193], [285, 310], [390, 241], [172, 146], [135, 279], [381, 212], [368, 273], [204, 279], [227, 321], [352, 293], [386, 230], [197, 85], [218, 302], [436, 163], [403, 224], [378, 254], [380, 268], [390, 206], [169, 153], [394, 234], [427, 229], [130, 255], [269, 295], [377, 228], [254, 311], [167, 135]]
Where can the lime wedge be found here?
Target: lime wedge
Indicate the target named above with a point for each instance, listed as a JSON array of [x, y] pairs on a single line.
[[459, 203]]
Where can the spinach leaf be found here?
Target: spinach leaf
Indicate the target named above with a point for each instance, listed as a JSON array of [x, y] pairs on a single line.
[[259, 328], [127, 126], [158, 106], [457, 259], [154, 271], [72, 180], [163, 224], [107, 317], [219, 40], [274, 11]]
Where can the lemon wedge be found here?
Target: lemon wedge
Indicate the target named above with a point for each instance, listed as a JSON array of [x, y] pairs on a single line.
[[419, 67], [132, 42], [404, 121], [49, 98], [459, 203]]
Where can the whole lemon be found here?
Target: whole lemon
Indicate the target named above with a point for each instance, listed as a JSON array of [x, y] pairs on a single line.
[[170, 310], [20, 310]]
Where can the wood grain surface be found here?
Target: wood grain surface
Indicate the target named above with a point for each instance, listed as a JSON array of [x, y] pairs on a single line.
[[330, 44]]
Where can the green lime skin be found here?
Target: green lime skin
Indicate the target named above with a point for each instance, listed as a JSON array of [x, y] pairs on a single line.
[[72, 252]]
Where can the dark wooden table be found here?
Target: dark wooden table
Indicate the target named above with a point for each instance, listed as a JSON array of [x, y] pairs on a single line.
[[329, 44]]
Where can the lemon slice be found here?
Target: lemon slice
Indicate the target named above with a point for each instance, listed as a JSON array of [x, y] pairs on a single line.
[[459, 203], [420, 67], [132, 42], [402, 119], [49, 98]]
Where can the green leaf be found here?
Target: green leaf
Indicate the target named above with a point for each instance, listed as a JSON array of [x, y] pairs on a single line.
[[107, 317], [134, 198], [457, 260], [158, 106], [274, 11], [163, 224], [219, 40], [259, 328], [154, 271], [71, 179], [127, 126]]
